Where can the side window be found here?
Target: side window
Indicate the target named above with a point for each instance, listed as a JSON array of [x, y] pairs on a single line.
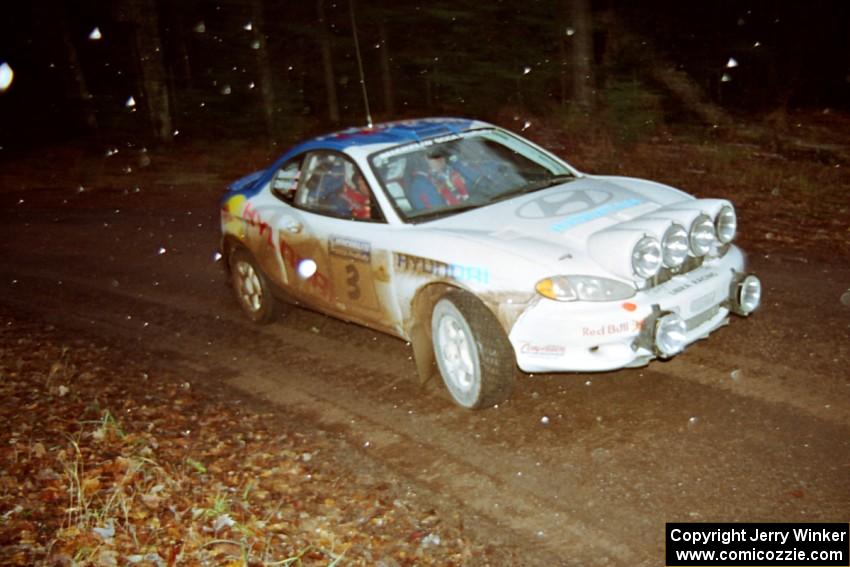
[[285, 181], [334, 186]]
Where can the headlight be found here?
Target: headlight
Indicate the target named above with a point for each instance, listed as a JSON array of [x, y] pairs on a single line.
[[726, 224], [584, 288], [674, 246], [702, 235], [646, 257]]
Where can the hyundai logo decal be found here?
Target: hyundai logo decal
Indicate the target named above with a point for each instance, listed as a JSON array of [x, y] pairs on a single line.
[[563, 203]]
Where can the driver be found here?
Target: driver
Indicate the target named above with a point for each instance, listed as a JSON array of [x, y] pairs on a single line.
[[441, 184]]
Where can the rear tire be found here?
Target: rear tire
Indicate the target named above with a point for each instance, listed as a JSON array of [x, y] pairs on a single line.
[[252, 289], [476, 361]]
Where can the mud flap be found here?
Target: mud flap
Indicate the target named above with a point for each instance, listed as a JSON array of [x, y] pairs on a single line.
[[423, 353]]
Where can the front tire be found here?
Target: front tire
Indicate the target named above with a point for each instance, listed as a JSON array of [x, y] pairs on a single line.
[[475, 359], [251, 289]]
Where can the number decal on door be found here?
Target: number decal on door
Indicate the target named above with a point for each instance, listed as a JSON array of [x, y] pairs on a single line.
[[353, 282], [351, 266]]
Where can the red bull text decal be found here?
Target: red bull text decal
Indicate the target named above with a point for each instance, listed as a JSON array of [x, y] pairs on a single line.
[[612, 329]]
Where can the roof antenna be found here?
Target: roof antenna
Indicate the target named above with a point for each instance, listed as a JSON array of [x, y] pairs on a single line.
[[360, 63]]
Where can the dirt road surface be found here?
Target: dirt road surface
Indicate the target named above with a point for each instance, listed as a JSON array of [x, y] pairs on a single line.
[[576, 469]]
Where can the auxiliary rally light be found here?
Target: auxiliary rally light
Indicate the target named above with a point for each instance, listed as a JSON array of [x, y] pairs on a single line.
[[670, 335], [745, 295], [663, 332]]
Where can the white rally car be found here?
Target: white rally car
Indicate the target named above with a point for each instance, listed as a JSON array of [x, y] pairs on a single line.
[[483, 250]]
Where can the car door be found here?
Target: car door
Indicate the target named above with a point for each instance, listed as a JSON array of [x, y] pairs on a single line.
[[336, 261]]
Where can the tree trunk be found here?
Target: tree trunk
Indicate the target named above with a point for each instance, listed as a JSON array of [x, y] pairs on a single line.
[[183, 64], [386, 75], [263, 67], [664, 71], [563, 63], [429, 95], [78, 78], [327, 62], [582, 43], [143, 13], [610, 44]]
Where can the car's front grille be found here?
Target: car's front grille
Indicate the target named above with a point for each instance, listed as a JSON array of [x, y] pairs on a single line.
[[666, 274], [691, 263], [702, 318]]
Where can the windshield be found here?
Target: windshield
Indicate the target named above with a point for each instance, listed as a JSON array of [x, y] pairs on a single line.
[[451, 174]]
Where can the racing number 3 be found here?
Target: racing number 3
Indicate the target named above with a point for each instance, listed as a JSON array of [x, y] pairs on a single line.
[[351, 268], [353, 282]]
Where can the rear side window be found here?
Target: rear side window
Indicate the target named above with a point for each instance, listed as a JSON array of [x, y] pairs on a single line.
[[285, 180]]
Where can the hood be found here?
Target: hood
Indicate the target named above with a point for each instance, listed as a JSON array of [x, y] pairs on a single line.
[[561, 218], [565, 211], [590, 223]]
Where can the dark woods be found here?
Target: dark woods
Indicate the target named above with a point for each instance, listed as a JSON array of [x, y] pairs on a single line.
[[160, 69]]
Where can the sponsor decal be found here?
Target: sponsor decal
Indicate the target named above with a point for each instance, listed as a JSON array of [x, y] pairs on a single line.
[[412, 147], [594, 214], [612, 329], [563, 203], [230, 211], [545, 351], [351, 249], [238, 212], [682, 286], [417, 265], [252, 217]]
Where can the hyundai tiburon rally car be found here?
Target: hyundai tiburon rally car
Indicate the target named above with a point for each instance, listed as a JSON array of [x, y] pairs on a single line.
[[484, 251]]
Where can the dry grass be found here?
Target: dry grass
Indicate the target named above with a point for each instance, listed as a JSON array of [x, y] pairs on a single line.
[[106, 462]]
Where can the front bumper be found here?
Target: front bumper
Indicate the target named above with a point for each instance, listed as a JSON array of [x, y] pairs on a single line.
[[553, 336]]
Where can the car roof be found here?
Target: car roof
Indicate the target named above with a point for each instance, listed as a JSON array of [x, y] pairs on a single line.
[[391, 133], [386, 134]]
